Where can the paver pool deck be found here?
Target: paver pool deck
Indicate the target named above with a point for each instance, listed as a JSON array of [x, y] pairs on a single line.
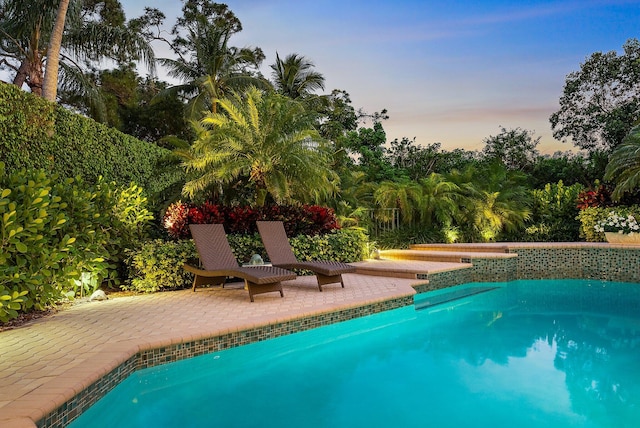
[[50, 360]]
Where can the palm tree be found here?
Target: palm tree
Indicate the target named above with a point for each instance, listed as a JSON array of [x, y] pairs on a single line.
[[439, 200], [624, 165], [30, 33], [404, 195], [492, 200], [50, 87], [263, 140], [294, 77], [209, 68]]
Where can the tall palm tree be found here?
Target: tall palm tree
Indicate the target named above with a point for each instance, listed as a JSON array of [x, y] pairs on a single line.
[[624, 165], [263, 140], [50, 86], [207, 66], [294, 76], [27, 28]]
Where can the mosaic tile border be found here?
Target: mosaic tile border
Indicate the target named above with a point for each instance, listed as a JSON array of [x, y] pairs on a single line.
[[554, 262], [69, 411]]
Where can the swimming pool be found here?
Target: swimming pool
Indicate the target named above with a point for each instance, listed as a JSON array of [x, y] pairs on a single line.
[[524, 353]]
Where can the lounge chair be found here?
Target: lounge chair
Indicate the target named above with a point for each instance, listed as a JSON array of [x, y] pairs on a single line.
[[218, 263], [275, 240]]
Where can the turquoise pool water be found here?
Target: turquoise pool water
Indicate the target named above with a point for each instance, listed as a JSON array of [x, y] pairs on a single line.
[[519, 354]]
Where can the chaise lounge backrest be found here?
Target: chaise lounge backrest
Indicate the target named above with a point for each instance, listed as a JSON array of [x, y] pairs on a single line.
[[213, 246]]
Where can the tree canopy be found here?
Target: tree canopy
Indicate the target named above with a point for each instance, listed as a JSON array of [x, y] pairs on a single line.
[[601, 101]]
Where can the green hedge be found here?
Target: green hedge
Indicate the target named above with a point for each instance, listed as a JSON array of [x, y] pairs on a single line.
[[36, 134], [157, 265], [590, 216]]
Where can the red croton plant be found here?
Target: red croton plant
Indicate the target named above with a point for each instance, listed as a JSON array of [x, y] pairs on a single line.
[[298, 220], [598, 197]]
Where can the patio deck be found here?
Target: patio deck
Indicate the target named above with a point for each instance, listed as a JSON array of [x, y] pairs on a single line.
[[47, 362]]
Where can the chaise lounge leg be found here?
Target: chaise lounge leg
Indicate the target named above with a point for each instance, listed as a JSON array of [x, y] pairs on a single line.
[[199, 281], [263, 288], [328, 279]]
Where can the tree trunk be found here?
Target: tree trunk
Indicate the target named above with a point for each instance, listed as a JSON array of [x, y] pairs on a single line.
[[50, 87], [21, 75]]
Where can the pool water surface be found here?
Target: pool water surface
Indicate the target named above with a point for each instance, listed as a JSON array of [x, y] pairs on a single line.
[[528, 353]]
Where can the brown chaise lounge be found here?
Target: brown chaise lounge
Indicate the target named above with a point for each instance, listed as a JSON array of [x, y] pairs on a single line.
[[275, 240], [218, 263]]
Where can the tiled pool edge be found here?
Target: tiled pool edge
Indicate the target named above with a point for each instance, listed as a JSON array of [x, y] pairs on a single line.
[[604, 262], [72, 408]]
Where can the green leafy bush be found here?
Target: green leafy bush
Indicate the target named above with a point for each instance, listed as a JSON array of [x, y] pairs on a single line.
[[157, 264], [554, 214], [59, 237], [245, 246]]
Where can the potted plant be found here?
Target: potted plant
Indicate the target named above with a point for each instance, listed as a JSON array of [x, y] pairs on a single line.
[[620, 229]]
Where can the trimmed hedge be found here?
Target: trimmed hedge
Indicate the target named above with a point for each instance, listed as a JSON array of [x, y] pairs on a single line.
[[157, 265], [37, 134]]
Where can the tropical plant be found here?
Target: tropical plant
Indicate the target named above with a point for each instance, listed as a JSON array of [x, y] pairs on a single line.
[[207, 66], [492, 200], [439, 201], [266, 142], [624, 165], [554, 214], [294, 76], [298, 220], [405, 195], [31, 32]]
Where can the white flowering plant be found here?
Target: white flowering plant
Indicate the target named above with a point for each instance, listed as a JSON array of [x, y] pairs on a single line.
[[618, 224]]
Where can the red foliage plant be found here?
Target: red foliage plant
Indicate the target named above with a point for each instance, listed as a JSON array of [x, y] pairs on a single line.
[[306, 219], [598, 197]]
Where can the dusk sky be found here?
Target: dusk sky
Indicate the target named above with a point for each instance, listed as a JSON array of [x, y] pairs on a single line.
[[452, 71]]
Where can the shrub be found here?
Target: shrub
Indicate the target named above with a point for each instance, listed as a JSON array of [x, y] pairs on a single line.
[[298, 220], [52, 234], [600, 196], [554, 214], [37, 134], [157, 264], [245, 246], [407, 235]]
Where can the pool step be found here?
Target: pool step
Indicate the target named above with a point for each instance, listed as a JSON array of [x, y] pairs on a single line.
[[442, 256], [467, 248], [438, 299], [402, 268]]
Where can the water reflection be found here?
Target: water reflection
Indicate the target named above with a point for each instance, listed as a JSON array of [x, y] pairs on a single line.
[[589, 336]]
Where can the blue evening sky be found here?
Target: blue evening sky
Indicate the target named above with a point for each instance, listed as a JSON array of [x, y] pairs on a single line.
[[451, 71]]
